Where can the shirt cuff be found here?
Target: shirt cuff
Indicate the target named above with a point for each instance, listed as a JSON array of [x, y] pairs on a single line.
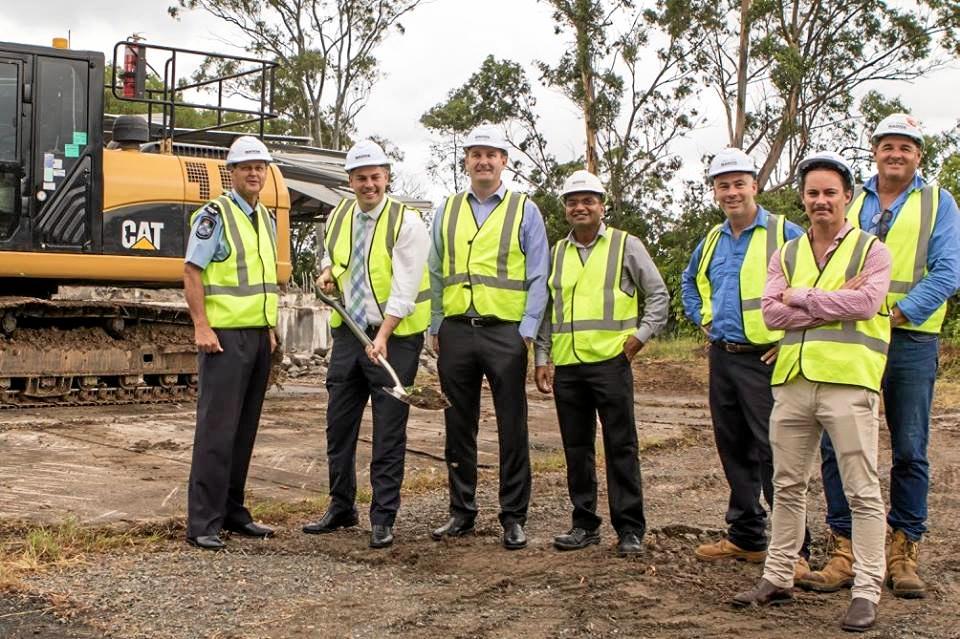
[[399, 308], [643, 334], [325, 262], [909, 311], [528, 327], [435, 320], [540, 357]]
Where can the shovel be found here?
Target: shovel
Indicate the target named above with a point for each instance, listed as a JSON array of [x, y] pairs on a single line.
[[418, 396]]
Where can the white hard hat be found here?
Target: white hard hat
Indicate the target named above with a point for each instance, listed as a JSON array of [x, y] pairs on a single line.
[[731, 160], [826, 157], [247, 148], [898, 124], [366, 153], [487, 135], [582, 181]]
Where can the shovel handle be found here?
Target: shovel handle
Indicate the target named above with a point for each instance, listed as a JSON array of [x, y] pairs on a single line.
[[360, 335]]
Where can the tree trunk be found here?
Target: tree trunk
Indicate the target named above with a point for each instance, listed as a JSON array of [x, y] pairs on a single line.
[[744, 50]]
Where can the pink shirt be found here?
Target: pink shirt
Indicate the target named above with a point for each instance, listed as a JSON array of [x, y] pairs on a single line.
[[811, 307]]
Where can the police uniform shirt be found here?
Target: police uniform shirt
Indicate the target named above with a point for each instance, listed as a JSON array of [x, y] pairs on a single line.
[[207, 242]]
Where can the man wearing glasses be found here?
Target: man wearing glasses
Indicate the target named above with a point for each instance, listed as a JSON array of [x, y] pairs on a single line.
[[919, 224]]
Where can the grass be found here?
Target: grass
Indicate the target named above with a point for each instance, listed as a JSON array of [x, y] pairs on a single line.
[[676, 349], [277, 511], [26, 548]]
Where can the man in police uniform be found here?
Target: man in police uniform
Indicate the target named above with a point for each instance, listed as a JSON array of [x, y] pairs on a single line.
[[721, 289], [376, 255], [824, 289], [592, 331], [230, 282], [919, 224], [488, 270]]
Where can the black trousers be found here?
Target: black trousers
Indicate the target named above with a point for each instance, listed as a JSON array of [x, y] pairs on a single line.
[[740, 405], [583, 392], [352, 379], [231, 389], [467, 354]]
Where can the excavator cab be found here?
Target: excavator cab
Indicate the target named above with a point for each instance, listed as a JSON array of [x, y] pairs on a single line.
[[74, 210], [50, 149]]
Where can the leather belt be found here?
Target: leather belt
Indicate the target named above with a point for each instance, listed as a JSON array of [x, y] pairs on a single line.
[[735, 347], [478, 321]]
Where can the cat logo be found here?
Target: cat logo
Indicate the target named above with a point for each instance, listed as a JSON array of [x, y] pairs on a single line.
[[143, 236]]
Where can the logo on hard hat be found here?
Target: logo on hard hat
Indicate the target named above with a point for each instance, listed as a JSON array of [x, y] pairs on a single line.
[[483, 137], [727, 162], [363, 155]]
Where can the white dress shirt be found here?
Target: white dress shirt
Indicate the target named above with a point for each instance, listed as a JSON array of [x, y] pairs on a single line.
[[409, 263]]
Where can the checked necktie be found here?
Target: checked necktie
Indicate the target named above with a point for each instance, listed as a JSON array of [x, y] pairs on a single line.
[[358, 271]]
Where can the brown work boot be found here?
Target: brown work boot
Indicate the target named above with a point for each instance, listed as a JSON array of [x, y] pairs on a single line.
[[902, 555], [837, 573], [726, 549], [800, 569]]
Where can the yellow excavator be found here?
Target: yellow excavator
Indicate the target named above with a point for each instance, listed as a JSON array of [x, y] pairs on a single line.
[[79, 208]]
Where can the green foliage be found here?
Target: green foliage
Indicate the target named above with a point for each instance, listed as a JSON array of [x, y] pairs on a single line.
[[805, 61]]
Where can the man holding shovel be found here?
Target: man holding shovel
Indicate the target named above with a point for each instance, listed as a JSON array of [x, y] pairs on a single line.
[[376, 255]]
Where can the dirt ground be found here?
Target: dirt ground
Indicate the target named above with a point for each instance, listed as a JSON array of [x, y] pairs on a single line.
[[118, 467]]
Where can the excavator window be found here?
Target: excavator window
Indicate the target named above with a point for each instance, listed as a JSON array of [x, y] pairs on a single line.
[[62, 130], [10, 167]]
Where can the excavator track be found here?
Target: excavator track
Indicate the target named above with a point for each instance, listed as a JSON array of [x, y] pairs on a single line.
[[86, 353]]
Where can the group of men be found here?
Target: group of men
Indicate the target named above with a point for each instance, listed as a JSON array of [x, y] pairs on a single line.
[[807, 329], [799, 325]]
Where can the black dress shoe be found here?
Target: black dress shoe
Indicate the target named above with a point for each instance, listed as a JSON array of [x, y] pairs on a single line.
[[331, 521], [381, 536], [207, 542], [861, 615], [455, 527], [576, 539], [250, 529], [765, 594], [629, 544], [513, 537]]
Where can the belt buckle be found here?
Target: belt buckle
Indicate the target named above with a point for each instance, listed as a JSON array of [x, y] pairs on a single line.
[[476, 321]]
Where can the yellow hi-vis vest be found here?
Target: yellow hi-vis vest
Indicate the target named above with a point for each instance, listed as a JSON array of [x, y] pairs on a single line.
[[909, 241], [484, 266], [764, 242], [592, 316], [848, 352], [339, 246], [241, 291]]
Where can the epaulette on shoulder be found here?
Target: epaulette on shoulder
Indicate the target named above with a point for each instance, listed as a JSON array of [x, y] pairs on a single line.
[[212, 208]]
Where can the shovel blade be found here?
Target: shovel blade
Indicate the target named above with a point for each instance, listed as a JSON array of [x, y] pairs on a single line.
[[419, 397]]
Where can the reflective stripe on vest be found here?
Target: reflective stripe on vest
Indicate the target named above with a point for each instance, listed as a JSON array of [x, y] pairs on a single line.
[[379, 265], [241, 291], [752, 278], [909, 242], [590, 323], [484, 267], [848, 352]]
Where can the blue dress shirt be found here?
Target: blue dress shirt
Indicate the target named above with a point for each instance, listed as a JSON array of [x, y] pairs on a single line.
[[943, 264], [724, 276], [533, 242]]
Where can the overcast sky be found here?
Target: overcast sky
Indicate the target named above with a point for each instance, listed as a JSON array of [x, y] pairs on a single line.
[[444, 43]]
